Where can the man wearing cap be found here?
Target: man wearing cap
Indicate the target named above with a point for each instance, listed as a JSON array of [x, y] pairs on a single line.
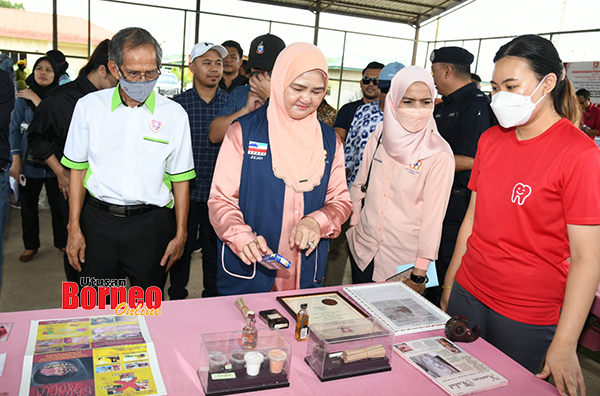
[[130, 155], [243, 100], [231, 67], [366, 119], [202, 103], [462, 116], [370, 92]]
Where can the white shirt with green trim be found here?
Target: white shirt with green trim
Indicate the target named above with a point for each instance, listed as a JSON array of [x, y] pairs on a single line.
[[131, 154]]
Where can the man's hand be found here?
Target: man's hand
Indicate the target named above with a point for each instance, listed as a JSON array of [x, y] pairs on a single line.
[[76, 247], [254, 102], [260, 84], [15, 170], [305, 235], [64, 178], [173, 252]]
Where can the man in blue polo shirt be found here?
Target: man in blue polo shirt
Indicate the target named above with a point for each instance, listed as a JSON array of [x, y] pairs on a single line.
[[202, 103]]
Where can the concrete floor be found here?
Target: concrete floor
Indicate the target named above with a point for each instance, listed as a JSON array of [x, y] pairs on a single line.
[[37, 284]]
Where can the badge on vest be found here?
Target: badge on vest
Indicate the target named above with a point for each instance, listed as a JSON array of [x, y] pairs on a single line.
[[257, 149]]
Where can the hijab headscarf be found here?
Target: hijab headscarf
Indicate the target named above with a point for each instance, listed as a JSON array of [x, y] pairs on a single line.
[[402, 145], [40, 91], [296, 145]]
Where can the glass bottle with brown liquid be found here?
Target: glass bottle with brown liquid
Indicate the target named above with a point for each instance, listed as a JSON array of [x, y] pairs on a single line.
[[302, 323], [249, 332]]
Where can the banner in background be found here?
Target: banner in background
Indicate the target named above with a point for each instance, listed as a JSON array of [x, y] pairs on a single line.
[[585, 75]]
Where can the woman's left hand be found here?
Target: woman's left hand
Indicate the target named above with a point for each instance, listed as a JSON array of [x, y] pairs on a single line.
[[305, 235], [26, 94], [562, 363]]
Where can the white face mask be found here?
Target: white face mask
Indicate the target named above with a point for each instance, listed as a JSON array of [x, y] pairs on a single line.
[[413, 120], [513, 109]]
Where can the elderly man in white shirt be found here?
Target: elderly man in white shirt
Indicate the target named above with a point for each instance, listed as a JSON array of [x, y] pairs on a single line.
[[131, 159]]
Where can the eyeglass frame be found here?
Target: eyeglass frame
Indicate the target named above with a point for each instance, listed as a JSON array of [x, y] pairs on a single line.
[[369, 80], [139, 74]]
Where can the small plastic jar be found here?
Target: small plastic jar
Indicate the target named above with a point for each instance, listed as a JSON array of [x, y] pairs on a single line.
[[277, 357], [216, 361], [253, 361]]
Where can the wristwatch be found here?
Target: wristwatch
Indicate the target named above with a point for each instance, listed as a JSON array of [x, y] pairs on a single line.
[[418, 280]]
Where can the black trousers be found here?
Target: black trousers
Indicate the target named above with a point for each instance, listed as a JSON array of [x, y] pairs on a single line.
[[180, 272], [30, 220], [70, 272], [359, 276], [527, 344], [130, 245], [457, 208]]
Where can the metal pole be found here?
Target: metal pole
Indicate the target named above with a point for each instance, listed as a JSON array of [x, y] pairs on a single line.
[[197, 38], [182, 68], [54, 25], [270, 24], [478, 52], [89, 28], [426, 55], [317, 17], [341, 71], [416, 43]]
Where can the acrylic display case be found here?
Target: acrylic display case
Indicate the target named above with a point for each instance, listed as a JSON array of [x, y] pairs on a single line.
[[349, 348], [227, 368]]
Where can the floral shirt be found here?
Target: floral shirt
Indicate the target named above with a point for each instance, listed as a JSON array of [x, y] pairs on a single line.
[[366, 119]]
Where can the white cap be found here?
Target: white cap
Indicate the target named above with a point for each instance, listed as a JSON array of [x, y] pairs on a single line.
[[201, 49]]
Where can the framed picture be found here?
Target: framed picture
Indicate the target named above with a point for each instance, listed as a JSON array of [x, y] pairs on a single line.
[[323, 307]]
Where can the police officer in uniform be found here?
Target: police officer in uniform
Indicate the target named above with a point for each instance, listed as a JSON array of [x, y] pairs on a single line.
[[462, 116]]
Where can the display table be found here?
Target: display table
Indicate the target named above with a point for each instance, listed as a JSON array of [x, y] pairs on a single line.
[[176, 335]]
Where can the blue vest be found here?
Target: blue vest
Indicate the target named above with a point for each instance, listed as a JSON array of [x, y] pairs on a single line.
[[261, 199]]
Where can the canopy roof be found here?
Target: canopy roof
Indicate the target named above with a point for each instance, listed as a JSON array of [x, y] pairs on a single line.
[[411, 12]]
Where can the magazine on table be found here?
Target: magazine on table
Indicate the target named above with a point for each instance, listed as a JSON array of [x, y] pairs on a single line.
[[102, 355], [399, 307], [450, 367]]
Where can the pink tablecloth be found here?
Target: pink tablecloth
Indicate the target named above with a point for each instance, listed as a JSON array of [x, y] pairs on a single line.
[[176, 335]]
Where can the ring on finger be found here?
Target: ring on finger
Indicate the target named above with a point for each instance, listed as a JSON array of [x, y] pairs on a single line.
[[311, 245]]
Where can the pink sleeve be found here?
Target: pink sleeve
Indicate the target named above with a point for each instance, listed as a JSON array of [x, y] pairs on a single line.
[[436, 194], [356, 193], [337, 205], [223, 204]]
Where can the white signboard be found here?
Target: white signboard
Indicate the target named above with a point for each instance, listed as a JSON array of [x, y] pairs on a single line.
[[585, 75]]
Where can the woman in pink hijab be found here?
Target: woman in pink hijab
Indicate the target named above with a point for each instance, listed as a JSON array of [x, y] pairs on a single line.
[[279, 183], [401, 191]]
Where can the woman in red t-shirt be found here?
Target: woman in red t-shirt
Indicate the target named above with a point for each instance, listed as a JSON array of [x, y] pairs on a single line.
[[526, 263]]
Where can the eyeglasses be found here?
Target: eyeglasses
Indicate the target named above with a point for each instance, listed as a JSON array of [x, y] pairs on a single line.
[[368, 80], [136, 76], [384, 90]]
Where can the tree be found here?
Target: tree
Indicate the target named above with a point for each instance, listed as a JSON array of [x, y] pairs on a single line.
[[8, 4]]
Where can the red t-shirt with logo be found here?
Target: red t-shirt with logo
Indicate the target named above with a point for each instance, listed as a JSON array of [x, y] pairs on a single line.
[[527, 193]]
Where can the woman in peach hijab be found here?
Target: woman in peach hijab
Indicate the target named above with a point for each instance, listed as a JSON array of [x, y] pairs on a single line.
[[398, 219], [279, 183]]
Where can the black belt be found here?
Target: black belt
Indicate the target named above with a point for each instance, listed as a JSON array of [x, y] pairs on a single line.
[[119, 210], [461, 192]]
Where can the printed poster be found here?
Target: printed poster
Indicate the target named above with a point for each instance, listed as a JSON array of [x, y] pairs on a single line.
[[97, 356]]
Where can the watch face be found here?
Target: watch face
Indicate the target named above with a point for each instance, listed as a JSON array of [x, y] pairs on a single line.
[[419, 280]]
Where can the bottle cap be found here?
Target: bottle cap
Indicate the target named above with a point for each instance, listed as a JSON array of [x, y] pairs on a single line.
[[304, 306]]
